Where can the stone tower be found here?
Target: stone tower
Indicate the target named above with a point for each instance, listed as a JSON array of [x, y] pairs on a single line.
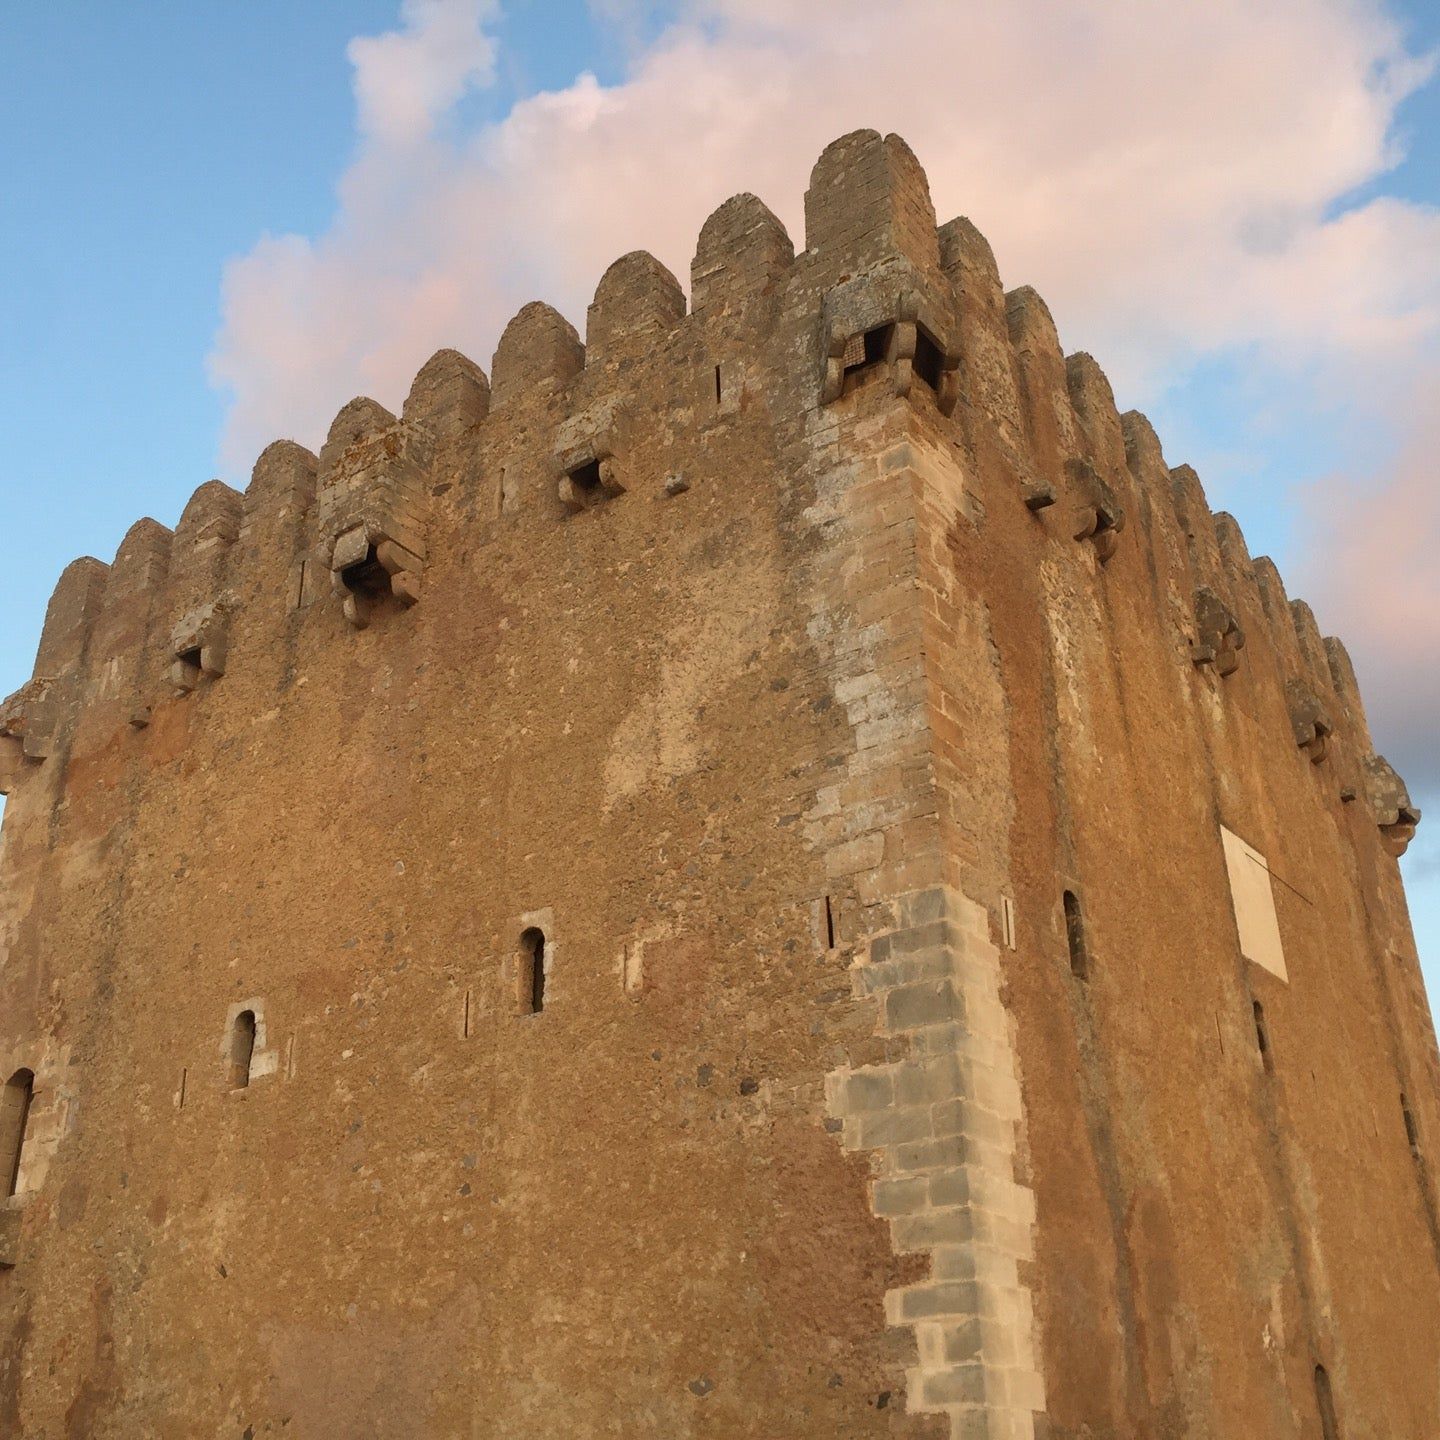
[[775, 873]]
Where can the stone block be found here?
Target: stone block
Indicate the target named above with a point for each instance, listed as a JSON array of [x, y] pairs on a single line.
[[927, 1002]]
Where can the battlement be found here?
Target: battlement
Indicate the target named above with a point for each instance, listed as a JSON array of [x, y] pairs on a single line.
[[892, 297]]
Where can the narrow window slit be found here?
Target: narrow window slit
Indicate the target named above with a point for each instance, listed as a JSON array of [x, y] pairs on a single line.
[[1075, 937], [532, 971], [184, 1076], [1262, 1035], [465, 1018], [242, 1049], [1412, 1135], [717, 384], [829, 924], [14, 1117], [1325, 1403]]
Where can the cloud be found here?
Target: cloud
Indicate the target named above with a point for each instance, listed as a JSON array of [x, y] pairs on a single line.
[[407, 79], [1371, 547], [1179, 180]]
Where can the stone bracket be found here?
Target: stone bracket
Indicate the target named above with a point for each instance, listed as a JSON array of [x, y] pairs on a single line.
[[589, 476], [587, 444], [1309, 720], [366, 564], [1098, 516], [28, 716], [12, 762], [1218, 638], [1395, 813], [199, 644]]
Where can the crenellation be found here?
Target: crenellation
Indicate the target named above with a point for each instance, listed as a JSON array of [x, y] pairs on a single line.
[[1143, 452], [1050, 422], [1276, 606], [1347, 691], [742, 258], [373, 509], [361, 419], [986, 365], [282, 481], [1312, 647], [69, 616], [637, 303], [1274, 662], [1099, 417], [1396, 815], [538, 352], [42, 713], [449, 395], [869, 201], [199, 604], [127, 658], [1218, 636]]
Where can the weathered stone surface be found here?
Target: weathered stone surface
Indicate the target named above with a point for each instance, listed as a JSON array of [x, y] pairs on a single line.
[[734, 936]]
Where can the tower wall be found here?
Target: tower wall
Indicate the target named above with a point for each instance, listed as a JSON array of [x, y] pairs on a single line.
[[786, 665]]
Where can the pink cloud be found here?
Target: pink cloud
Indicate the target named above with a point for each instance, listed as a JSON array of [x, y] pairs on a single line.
[[1371, 545], [406, 79]]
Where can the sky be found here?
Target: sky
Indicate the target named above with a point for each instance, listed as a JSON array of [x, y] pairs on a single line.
[[219, 222]]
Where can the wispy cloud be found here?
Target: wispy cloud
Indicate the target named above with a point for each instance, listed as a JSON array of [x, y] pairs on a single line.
[[407, 79], [1176, 179]]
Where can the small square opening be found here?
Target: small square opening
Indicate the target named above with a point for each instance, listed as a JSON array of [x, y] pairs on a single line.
[[586, 479], [865, 354], [367, 577], [929, 361], [190, 657]]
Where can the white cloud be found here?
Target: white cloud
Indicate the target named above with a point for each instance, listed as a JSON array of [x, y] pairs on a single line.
[[1172, 177]]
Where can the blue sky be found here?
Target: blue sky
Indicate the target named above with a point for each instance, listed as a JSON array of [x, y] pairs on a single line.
[[189, 187]]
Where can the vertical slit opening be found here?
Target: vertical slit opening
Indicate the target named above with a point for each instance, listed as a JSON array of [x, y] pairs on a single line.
[[1262, 1036], [242, 1049], [532, 971], [717, 384], [1412, 1135], [184, 1076], [1075, 936], [1325, 1403], [829, 924], [465, 1018], [14, 1116]]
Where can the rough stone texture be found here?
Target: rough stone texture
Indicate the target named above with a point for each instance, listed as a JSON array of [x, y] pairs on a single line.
[[786, 663]]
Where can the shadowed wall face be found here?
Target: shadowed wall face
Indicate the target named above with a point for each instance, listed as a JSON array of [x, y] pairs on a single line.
[[778, 873]]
